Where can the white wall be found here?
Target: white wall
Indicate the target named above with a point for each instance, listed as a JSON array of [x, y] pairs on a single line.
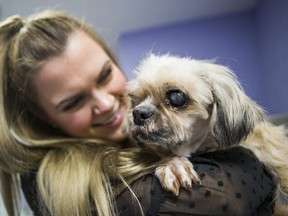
[[113, 17]]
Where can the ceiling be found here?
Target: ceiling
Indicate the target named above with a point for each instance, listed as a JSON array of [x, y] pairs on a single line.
[[114, 17]]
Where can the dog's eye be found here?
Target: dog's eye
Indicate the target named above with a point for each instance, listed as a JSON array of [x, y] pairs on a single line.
[[176, 98], [133, 100]]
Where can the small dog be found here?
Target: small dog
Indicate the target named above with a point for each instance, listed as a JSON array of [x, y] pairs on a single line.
[[188, 106]]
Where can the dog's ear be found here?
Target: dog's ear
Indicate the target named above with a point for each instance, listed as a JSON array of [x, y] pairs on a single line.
[[234, 113]]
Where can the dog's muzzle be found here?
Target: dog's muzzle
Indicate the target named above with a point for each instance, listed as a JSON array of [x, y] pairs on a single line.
[[141, 114]]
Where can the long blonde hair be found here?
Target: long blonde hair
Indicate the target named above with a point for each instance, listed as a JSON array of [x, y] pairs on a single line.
[[73, 175]]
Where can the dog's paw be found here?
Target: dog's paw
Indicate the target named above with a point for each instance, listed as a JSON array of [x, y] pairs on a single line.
[[177, 173]]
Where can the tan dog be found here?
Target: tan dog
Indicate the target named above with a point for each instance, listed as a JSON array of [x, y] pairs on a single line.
[[188, 106]]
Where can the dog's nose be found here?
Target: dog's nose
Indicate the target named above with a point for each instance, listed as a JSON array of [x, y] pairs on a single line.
[[141, 114]]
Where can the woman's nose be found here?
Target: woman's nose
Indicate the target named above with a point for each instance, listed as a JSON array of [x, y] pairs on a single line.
[[103, 101]]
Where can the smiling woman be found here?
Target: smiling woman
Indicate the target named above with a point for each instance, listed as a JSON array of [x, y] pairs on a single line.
[[62, 108], [64, 121], [81, 90]]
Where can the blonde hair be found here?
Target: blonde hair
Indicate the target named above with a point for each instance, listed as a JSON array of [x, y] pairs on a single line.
[[73, 175]]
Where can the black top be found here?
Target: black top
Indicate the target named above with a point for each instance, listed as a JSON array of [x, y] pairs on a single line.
[[233, 182]]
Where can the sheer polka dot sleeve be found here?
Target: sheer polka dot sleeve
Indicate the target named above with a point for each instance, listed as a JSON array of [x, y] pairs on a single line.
[[233, 182]]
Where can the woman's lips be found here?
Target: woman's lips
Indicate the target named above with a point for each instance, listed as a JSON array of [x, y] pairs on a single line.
[[114, 121]]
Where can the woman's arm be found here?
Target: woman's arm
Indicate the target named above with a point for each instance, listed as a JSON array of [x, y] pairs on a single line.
[[233, 182]]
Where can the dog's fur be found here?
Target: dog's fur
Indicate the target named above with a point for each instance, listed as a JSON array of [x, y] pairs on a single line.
[[188, 106]]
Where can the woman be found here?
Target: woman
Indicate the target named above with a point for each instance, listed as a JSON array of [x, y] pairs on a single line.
[[62, 111]]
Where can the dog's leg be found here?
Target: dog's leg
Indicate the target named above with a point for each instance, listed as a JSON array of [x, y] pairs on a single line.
[[177, 173]]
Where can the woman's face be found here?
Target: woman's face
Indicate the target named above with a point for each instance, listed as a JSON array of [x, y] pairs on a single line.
[[81, 90]]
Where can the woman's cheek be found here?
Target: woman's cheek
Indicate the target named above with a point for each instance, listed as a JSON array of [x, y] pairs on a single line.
[[119, 82], [77, 122]]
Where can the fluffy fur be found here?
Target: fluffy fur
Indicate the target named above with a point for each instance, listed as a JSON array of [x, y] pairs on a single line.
[[187, 106]]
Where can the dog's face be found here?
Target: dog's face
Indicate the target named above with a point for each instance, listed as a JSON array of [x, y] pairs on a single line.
[[178, 101]]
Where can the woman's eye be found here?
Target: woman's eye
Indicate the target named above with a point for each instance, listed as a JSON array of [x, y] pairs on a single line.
[[176, 98], [105, 75], [73, 104]]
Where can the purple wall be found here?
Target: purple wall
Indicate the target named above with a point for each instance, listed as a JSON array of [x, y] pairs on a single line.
[[240, 41], [272, 27]]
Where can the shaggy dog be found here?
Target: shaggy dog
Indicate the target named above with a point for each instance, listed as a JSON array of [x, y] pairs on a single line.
[[187, 106]]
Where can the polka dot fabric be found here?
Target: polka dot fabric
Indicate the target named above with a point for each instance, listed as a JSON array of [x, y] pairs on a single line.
[[233, 182]]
